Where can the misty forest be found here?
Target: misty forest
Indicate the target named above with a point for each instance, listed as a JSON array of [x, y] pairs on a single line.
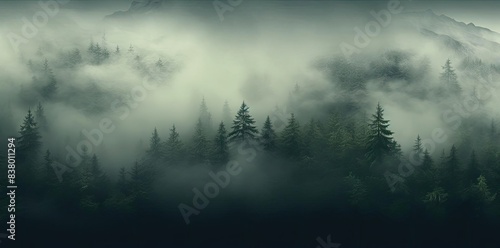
[[264, 124]]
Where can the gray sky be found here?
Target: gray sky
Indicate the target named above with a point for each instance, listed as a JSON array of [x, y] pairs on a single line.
[[481, 13]]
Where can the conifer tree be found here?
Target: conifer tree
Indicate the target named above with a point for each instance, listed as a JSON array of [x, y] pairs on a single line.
[[220, 151], [155, 145], [98, 181], [205, 117], [138, 181], [290, 139], [427, 162], [243, 126], [48, 175], [199, 147], [49, 81], [483, 190], [449, 78], [173, 146], [268, 136], [29, 142], [417, 148], [450, 176], [380, 141], [40, 116]]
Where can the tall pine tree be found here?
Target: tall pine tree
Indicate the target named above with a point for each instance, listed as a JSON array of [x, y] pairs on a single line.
[[291, 142], [268, 136], [380, 141], [155, 145], [243, 126], [220, 149], [449, 78], [173, 147], [199, 145], [29, 143], [205, 117]]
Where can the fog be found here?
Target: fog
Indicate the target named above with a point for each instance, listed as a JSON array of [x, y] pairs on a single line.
[[257, 55], [279, 57]]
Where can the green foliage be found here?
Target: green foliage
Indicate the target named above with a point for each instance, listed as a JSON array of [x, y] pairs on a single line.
[[380, 141], [48, 81], [244, 128], [482, 190], [205, 117], [29, 143], [40, 116], [199, 144], [97, 54], [155, 145], [268, 136], [220, 151], [173, 147], [449, 78], [358, 191], [417, 148], [436, 196], [291, 140]]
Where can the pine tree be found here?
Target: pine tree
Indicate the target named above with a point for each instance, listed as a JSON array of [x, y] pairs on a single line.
[[49, 176], [29, 143], [483, 190], [417, 148], [205, 117], [424, 180], [91, 48], [450, 175], [220, 146], [98, 181], [155, 145], [442, 160], [117, 50], [243, 126], [396, 149], [380, 141], [199, 147], [268, 136], [449, 78], [173, 146], [74, 58], [138, 181], [427, 163], [104, 55], [50, 84], [290, 139], [40, 116]]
